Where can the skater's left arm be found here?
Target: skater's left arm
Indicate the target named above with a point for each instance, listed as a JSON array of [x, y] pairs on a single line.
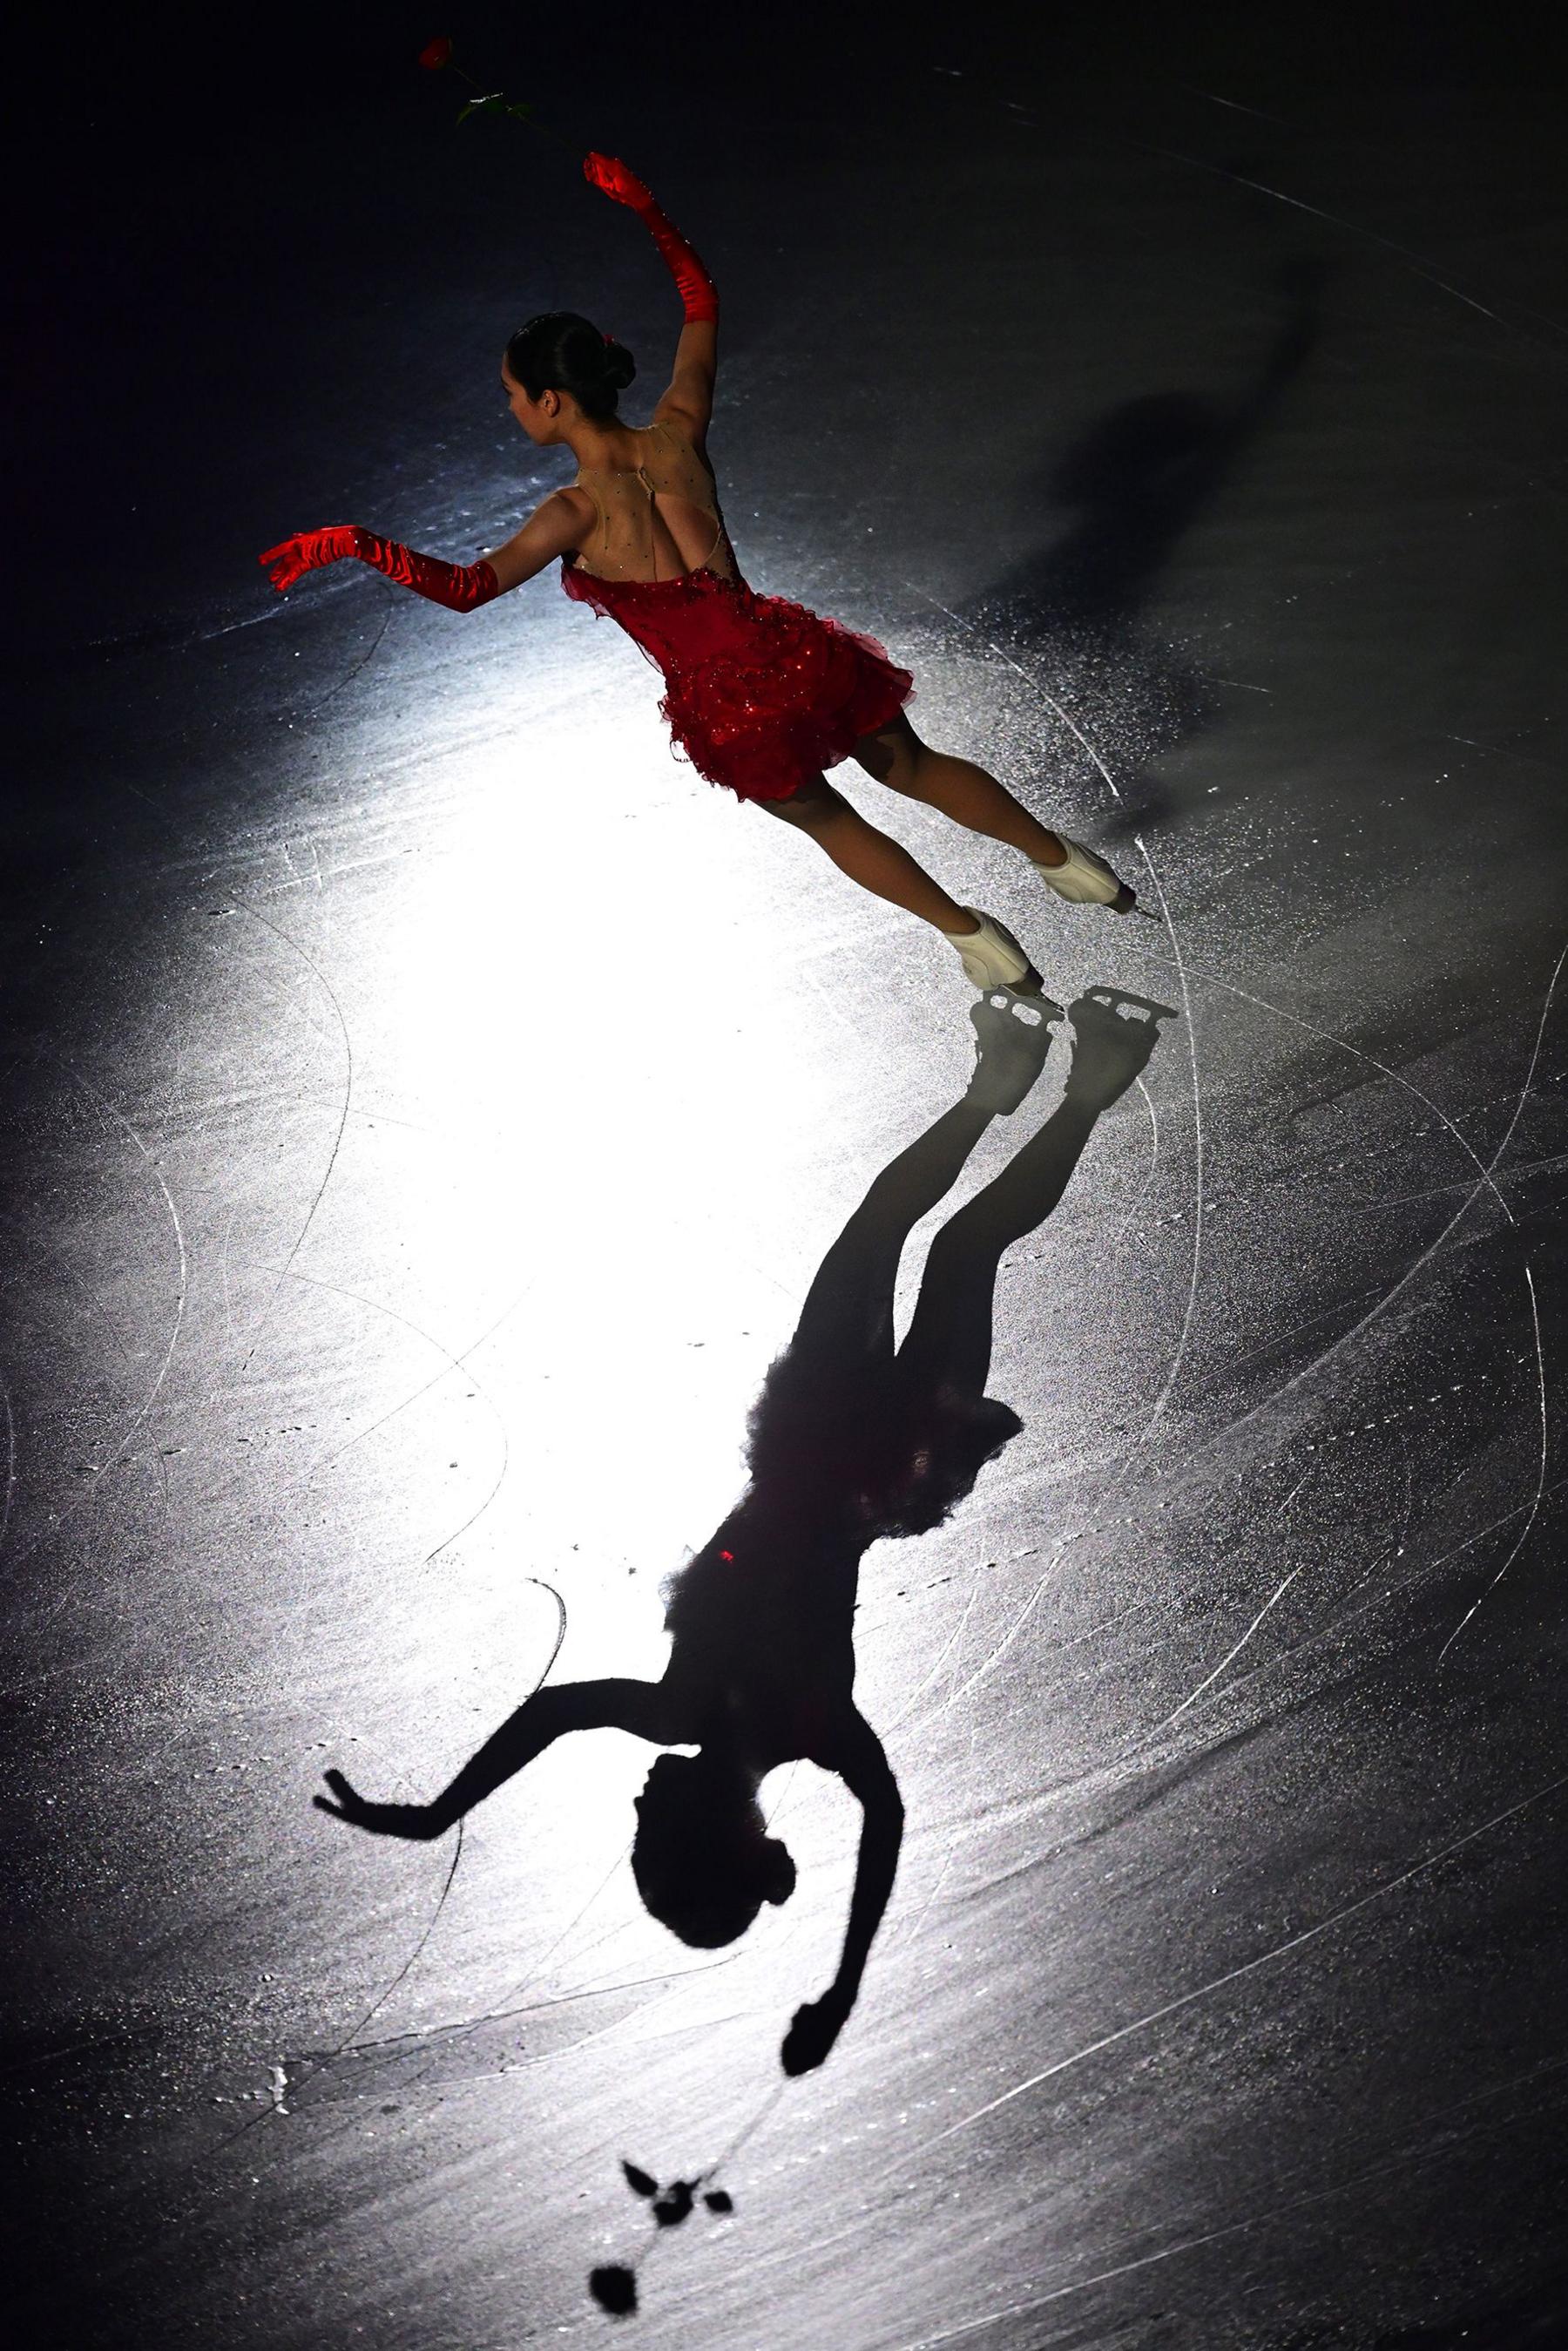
[[689, 401], [858, 1757], [562, 522]]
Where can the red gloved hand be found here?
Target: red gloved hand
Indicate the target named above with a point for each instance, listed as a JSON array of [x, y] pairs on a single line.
[[459, 587], [698, 292], [610, 175], [309, 550]]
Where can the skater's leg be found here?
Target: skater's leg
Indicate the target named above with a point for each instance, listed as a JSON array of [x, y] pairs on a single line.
[[896, 757], [871, 858], [967, 794], [990, 954]]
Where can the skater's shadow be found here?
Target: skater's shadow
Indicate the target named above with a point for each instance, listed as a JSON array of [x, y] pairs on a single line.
[[855, 1437], [1132, 486]]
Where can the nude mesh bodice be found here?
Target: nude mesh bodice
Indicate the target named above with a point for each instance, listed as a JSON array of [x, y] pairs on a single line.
[[672, 482]]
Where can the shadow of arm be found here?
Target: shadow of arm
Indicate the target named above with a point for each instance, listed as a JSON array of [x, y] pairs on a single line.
[[641, 1707], [861, 1761]]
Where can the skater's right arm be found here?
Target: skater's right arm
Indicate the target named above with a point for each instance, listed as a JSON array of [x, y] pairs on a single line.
[[564, 521], [689, 401], [642, 1708]]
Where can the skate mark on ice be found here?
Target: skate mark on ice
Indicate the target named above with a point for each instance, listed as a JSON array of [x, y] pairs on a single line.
[[110, 1321], [1238, 1974], [1529, 1527], [1234, 1652], [1421, 2149], [245, 905], [1520, 1173], [352, 672], [440, 2040], [1230, 1655], [938, 1662], [1234, 105], [142, 1411], [1416, 262], [1189, 1310], [450, 1363], [1487, 1178], [1486, 1182], [1127, 1222], [350, 2038], [10, 1460], [379, 2003]]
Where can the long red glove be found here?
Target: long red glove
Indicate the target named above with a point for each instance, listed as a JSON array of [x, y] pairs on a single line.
[[698, 291], [459, 586]]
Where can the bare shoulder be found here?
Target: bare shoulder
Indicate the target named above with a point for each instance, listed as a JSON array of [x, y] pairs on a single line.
[[562, 522], [687, 423], [574, 504], [688, 395]]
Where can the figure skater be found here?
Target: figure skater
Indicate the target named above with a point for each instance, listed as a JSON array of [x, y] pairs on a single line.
[[761, 694], [851, 1439]]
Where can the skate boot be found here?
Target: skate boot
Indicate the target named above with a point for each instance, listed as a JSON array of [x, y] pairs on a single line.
[[992, 957], [1086, 880]]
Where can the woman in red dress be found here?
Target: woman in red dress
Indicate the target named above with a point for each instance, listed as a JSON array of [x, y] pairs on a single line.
[[761, 694]]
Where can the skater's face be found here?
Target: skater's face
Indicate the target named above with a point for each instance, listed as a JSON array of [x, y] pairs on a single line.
[[540, 419]]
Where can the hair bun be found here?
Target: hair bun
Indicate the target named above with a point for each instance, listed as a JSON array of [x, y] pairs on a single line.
[[563, 351], [619, 365]]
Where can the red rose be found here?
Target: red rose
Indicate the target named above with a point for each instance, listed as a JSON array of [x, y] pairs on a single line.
[[436, 54]]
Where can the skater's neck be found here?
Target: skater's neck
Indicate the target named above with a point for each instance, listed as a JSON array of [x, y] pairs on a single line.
[[601, 448]]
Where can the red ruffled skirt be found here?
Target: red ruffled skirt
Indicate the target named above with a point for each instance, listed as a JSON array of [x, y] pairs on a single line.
[[761, 694]]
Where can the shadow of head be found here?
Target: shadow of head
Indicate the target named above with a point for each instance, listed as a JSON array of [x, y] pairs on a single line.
[[1132, 484], [703, 1861], [1137, 451], [1167, 443]]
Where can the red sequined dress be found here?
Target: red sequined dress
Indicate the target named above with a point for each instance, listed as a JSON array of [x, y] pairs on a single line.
[[760, 693]]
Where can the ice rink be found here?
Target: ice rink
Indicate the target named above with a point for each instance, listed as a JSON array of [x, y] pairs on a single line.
[[427, 1103]]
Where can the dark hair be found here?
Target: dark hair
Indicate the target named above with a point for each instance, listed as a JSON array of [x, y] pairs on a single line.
[[559, 351], [703, 1862]]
